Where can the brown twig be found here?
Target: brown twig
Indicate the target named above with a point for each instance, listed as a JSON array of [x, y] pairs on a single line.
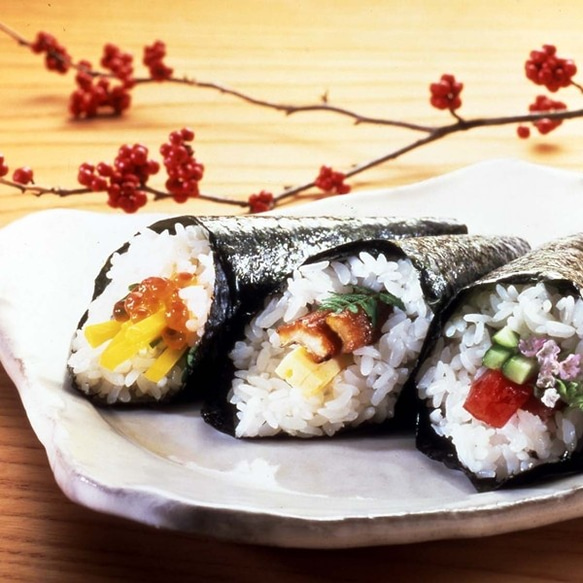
[[14, 35], [437, 133], [160, 195], [290, 109], [38, 190]]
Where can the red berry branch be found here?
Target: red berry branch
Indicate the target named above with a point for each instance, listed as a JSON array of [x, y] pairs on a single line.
[[126, 181]]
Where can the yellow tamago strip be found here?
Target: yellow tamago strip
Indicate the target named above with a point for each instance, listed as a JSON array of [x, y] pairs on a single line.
[[301, 372], [163, 364], [97, 334], [131, 339]]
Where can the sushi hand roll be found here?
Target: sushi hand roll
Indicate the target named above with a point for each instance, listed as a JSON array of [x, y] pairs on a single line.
[[332, 349], [501, 388], [163, 303]]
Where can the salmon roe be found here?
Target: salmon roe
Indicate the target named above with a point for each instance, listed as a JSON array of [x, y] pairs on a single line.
[[154, 294]]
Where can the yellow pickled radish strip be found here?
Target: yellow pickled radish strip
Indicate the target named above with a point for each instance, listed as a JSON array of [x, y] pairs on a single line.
[[120, 336], [117, 353], [300, 371], [97, 334], [131, 339], [163, 364], [148, 329]]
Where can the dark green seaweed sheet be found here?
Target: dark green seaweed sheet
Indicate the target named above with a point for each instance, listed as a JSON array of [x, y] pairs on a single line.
[[258, 251], [251, 256], [558, 263], [445, 263]]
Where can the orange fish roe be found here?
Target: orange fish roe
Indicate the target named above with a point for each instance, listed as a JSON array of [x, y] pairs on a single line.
[[159, 293]]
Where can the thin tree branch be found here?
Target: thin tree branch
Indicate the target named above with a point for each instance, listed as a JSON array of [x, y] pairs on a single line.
[[432, 133]]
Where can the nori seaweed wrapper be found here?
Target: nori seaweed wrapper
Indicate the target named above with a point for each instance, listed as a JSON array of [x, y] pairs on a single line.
[[256, 252], [558, 263], [445, 264], [251, 255]]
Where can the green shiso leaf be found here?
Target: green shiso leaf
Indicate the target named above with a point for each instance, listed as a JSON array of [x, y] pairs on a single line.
[[361, 298]]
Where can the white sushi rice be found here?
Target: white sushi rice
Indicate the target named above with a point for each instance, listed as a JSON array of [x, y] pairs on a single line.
[[150, 254], [525, 441], [364, 391]]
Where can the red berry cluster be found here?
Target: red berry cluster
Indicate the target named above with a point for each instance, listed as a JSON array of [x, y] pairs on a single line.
[[96, 92], [545, 68], [445, 94], [184, 171], [56, 57], [545, 125], [119, 63], [261, 202], [124, 180], [330, 180], [153, 59], [542, 104]]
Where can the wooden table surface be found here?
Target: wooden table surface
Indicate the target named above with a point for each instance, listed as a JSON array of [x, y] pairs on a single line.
[[375, 57]]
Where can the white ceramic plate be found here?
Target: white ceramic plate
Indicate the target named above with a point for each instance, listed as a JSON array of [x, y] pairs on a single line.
[[168, 469]]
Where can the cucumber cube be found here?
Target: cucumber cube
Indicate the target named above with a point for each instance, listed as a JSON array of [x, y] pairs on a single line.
[[506, 337], [496, 356], [519, 368]]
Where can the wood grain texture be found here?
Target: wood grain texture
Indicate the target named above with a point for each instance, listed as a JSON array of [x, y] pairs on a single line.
[[376, 57]]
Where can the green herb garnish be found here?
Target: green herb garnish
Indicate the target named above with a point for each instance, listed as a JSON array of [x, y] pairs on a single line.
[[361, 298], [571, 392], [191, 357]]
